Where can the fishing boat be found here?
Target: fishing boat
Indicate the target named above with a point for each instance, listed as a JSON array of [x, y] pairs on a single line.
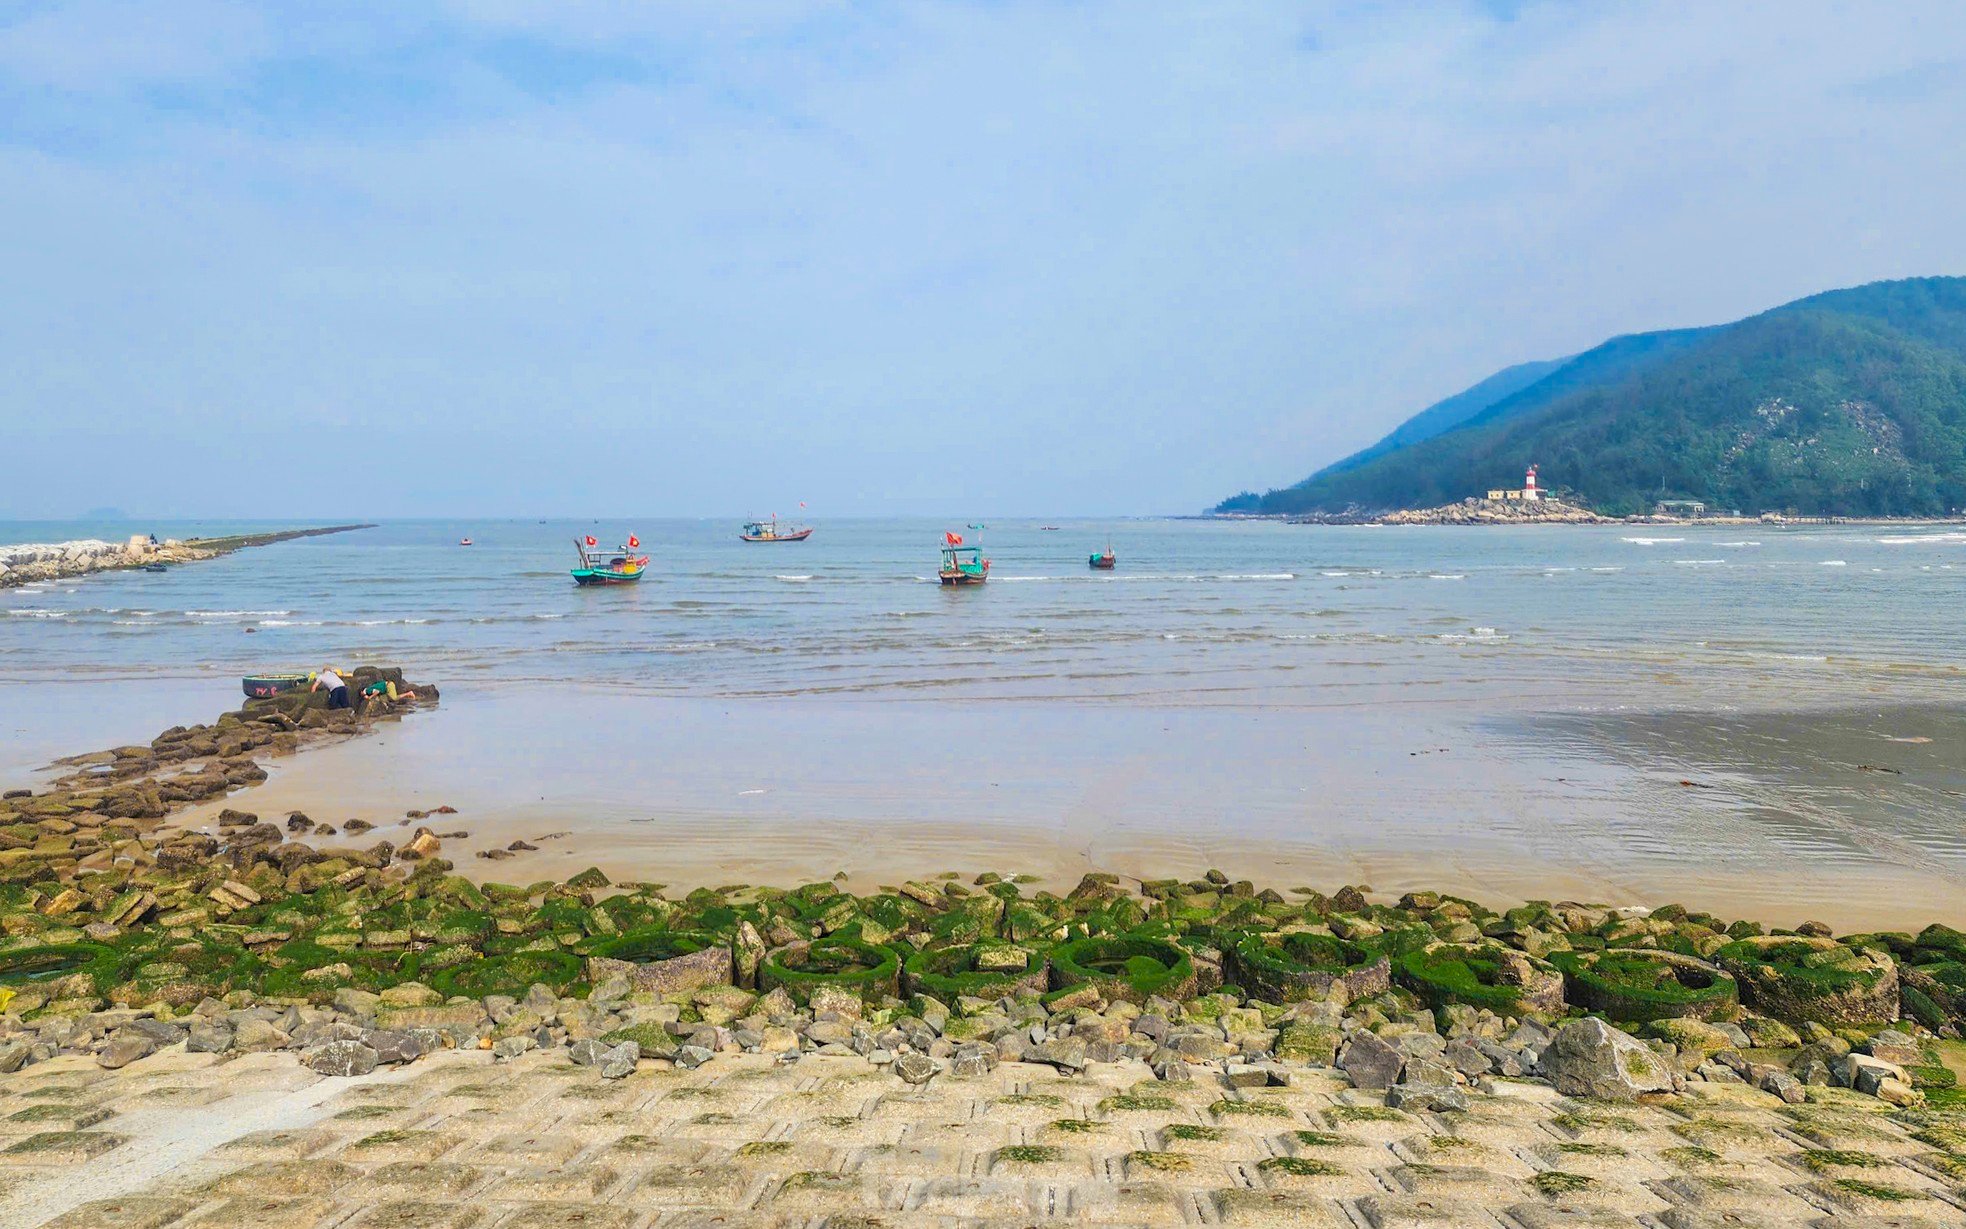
[[156, 567], [620, 566], [771, 531], [962, 565], [464, 541], [1103, 561]]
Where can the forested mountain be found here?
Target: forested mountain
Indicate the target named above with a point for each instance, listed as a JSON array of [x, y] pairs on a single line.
[[1851, 402]]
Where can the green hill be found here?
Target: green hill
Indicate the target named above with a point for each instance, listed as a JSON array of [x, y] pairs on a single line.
[[1851, 402]]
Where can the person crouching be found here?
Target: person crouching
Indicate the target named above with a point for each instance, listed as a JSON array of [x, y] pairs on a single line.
[[336, 686]]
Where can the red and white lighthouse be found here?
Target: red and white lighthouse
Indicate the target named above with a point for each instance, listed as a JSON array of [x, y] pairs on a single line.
[[1529, 491]]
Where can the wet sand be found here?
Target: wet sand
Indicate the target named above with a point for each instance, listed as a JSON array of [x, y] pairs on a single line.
[[1782, 822]]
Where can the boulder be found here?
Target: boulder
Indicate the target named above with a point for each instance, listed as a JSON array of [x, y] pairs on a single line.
[[1589, 1058], [340, 1058], [1370, 1062], [914, 1068]]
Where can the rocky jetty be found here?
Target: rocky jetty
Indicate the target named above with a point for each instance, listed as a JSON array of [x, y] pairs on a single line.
[[28, 563], [1497, 512]]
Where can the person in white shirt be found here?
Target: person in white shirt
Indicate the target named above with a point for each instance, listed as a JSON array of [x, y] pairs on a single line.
[[337, 688]]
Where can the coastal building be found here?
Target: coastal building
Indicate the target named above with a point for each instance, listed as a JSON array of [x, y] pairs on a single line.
[[1680, 507], [1528, 494]]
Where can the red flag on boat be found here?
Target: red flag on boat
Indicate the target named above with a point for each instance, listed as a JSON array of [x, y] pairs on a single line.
[[634, 541], [954, 539], [591, 540]]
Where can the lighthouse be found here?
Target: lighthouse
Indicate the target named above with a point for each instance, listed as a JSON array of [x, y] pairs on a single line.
[[1529, 491]]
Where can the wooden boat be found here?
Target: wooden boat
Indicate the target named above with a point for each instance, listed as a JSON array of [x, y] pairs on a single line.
[[617, 567], [962, 565], [769, 531], [464, 541], [259, 686], [156, 567], [1105, 562]]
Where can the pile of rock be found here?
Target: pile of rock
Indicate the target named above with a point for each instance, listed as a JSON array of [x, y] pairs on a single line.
[[28, 562], [1497, 512]]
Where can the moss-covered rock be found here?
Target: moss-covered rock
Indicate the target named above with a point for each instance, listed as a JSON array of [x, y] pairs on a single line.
[[1798, 979], [1301, 965], [836, 962], [1633, 985], [1500, 979], [983, 970], [1129, 968]]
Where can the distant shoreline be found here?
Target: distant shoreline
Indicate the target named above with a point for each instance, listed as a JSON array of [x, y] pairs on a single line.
[[1442, 516], [29, 563]]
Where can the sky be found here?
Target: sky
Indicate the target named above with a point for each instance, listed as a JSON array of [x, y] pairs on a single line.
[[578, 257]]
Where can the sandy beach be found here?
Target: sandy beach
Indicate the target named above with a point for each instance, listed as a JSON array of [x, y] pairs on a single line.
[[1839, 816]]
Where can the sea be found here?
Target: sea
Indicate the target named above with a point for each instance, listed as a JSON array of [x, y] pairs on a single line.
[[1627, 705]]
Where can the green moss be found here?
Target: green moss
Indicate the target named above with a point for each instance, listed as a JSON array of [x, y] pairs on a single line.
[[1819, 1159], [1044, 1099], [1580, 1149], [1296, 966], [1164, 1162], [1691, 1157], [1077, 1126], [1029, 1154], [836, 961], [1363, 1113], [1554, 1182], [1248, 1109], [1631, 986], [1323, 1139], [1878, 1190], [1191, 1133], [948, 973], [1461, 974], [1299, 1167], [1123, 1102], [765, 1147], [1133, 969], [362, 1112]]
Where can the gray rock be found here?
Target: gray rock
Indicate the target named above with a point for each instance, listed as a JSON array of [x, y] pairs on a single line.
[[1466, 1057], [392, 1046], [253, 1034], [340, 1058], [1426, 1096], [1064, 1053], [1893, 1046], [511, 1047], [127, 1046], [691, 1057], [619, 1062], [915, 1068], [586, 1053], [1369, 1062], [1810, 1068], [1247, 1075], [1589, 1058], [1785, 1086], [207, 1038], [163, 1032], [13, 1056]]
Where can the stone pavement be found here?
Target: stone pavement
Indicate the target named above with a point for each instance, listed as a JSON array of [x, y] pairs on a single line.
[[460, 1142]]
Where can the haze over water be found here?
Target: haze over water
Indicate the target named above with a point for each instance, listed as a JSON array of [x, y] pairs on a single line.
[[1510, 712]]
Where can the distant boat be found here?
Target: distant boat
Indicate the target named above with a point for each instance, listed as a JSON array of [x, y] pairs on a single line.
[[464, 541], [156, 567], [1105, 562], [1047, 529], [770, 531], [962, 565], [599, 567]]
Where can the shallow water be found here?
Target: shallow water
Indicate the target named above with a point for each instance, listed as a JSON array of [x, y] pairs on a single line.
[[1508, 713], [1199, 613]]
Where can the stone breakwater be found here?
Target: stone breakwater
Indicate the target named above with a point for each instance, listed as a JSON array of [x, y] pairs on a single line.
[[1213, 1045], [28, 563], [1497, 512]]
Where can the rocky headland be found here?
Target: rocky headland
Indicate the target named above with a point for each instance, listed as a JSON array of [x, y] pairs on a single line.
[[28, 563], [1145, 1032], [1497, 512]]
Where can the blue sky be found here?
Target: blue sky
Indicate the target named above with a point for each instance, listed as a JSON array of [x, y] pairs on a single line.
[[583, 257]]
